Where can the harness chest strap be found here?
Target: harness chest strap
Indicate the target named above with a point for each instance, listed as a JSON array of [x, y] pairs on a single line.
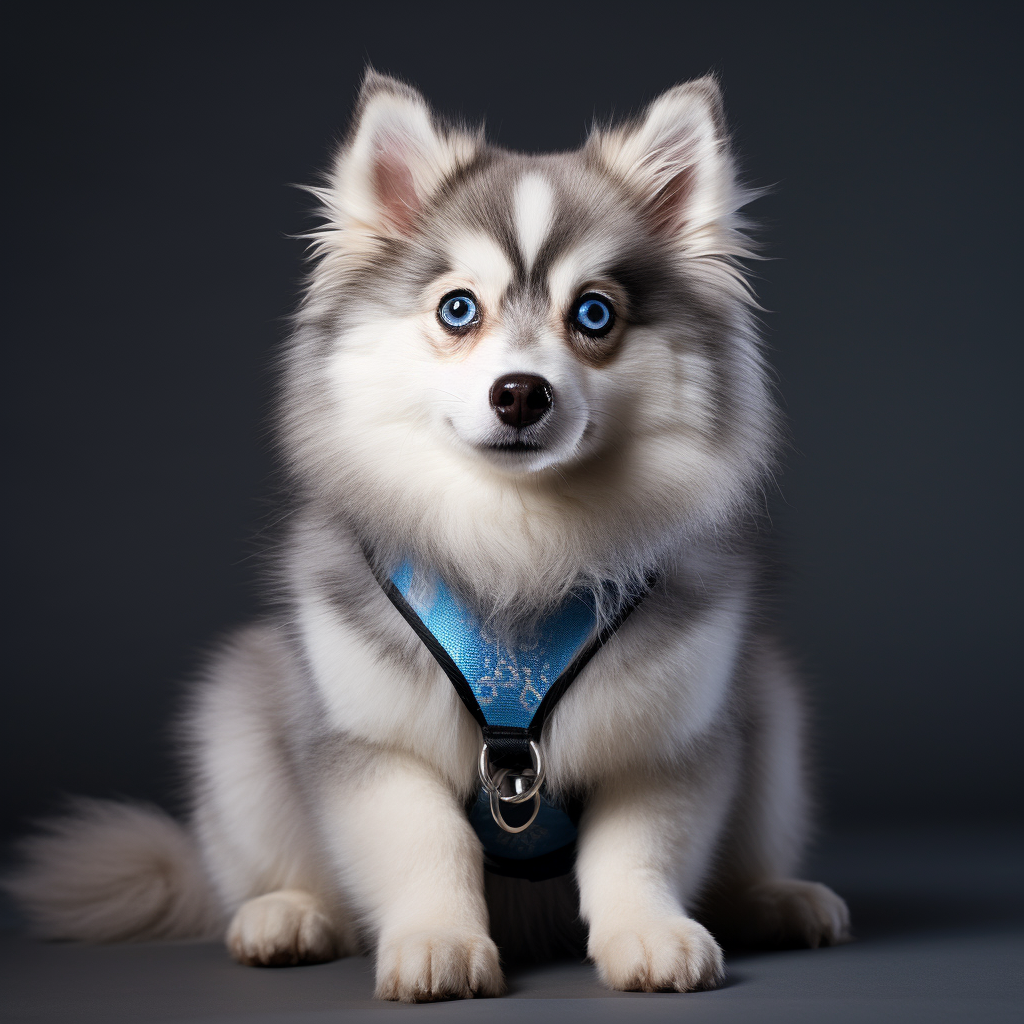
[[510, 692]]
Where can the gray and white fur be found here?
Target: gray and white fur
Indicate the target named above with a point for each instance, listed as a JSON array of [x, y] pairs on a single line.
[[331, 758]]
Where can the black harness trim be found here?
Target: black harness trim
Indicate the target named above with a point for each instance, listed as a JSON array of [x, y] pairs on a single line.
[[441, 656]]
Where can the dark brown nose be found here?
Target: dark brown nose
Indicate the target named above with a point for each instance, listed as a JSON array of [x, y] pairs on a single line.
[[520, 398]]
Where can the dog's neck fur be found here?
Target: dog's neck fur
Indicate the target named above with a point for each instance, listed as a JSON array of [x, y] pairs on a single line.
[[516, 553]]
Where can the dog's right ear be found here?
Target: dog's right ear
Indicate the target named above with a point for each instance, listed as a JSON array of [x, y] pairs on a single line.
[[675, 161], [395, 157]]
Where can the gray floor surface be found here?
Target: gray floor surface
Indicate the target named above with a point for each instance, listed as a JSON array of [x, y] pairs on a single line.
[[939, 919]]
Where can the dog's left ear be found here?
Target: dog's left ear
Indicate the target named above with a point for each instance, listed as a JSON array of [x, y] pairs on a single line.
[[396, 156], [675, 161]]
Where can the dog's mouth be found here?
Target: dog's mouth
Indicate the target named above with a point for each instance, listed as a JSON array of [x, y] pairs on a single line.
[[515, 446]]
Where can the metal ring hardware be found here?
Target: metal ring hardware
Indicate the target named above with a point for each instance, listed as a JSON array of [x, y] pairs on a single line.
[[496, 799], [491, 784]]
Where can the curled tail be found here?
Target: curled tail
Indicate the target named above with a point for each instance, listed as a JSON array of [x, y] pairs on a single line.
[[114, 872]]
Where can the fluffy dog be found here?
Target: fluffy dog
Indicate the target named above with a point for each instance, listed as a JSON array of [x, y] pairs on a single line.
[[536, 376]]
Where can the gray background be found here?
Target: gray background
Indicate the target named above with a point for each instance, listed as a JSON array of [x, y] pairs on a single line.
[[149, 271]]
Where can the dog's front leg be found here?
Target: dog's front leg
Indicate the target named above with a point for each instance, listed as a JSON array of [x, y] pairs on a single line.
[[644, 846], [414, 867]]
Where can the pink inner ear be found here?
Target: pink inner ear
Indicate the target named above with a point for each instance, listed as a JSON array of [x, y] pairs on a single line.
[[668, 210], [394, 188]]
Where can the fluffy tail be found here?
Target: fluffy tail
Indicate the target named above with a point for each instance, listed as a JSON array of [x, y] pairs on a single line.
[[114, 872]]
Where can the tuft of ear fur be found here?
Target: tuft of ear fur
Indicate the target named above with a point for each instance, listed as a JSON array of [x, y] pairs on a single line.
[[675, 160], [396, 156]]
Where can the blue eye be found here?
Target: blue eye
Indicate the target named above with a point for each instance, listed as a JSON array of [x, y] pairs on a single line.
[[457, 311], [594, 315]]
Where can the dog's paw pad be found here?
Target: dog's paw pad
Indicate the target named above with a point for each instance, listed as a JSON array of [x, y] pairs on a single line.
[[282, 929], [675, 954], [423, 967], [791, 912]]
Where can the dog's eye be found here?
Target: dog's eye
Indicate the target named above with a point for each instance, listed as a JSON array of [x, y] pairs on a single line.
[[594, 315], [457, 311]]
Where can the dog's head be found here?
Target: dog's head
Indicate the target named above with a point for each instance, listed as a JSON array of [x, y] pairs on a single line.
[[529, 354]]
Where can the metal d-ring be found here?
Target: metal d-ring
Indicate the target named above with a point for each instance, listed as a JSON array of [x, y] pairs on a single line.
[[491, 784], [496, 799]]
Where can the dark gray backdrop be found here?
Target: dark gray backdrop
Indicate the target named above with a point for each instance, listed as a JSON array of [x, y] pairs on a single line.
[[150, 269]]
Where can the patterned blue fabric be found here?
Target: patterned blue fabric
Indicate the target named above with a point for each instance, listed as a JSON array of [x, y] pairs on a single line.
[[508, 683]]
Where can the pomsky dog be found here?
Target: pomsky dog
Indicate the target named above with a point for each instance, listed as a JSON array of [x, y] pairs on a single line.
[[534, 377]]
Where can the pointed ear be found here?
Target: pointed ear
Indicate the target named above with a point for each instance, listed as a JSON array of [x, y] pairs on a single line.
[[395, 157], [675, 160]]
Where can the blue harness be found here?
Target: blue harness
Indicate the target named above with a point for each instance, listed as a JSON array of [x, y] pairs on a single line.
[[510, 691]]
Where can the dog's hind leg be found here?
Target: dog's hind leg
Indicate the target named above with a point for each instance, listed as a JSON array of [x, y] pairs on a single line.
[[281, 929], [258, 842], [754, 898]]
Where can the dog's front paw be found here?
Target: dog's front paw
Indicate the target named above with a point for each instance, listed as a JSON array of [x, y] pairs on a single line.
[[281, 929], [675, 953], [423, 967], [790, 912]]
